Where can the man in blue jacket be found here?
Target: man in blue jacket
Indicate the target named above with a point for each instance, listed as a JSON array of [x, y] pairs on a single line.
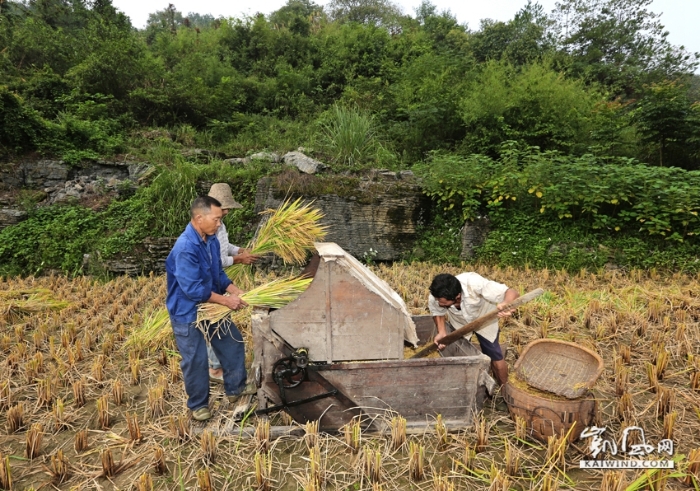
[[195, 275]]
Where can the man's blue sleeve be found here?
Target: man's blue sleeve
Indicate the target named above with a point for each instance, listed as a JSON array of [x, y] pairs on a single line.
[[224, 280], [189, 277]]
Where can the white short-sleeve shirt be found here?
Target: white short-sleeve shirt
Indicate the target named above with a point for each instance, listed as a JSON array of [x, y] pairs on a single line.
[[227, 249], [479, 297]]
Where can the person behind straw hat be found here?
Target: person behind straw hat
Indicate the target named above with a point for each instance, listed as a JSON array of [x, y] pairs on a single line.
[[230, 254]]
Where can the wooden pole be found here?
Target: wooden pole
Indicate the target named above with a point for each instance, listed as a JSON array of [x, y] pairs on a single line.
[[478, 323]]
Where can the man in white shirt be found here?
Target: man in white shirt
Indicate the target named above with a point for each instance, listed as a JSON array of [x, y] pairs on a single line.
[[230, 254], [458, 300]]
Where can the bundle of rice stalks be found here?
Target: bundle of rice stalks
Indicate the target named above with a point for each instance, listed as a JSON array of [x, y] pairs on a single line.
[[275, 294], [288, 232], [154, 332], [17, 304]]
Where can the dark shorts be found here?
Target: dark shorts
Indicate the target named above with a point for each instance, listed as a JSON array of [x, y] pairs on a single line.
[[492, 350]]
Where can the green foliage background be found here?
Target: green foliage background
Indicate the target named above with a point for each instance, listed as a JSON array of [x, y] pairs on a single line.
[[583, 122]]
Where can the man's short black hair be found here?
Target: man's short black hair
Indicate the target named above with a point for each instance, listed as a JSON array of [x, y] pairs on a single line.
[[203, 204], [445, 286]]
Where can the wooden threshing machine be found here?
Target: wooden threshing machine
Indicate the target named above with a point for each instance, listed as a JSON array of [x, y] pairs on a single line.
[[337, 352]]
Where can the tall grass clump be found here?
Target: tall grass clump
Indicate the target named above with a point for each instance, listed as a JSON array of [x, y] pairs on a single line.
[[349, 134]]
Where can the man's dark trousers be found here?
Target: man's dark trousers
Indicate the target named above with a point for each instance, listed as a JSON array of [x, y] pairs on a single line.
[[229, 348]]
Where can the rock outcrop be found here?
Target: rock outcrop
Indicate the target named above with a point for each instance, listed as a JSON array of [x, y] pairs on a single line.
[[373, 218], [473, 235]]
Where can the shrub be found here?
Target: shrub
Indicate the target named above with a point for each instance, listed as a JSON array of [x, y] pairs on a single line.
[[605, 194], [349, 134], [20, 126]]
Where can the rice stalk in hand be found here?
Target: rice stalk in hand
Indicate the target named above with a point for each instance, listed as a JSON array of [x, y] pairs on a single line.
[[275, 294], [289, 231], [241, 275]]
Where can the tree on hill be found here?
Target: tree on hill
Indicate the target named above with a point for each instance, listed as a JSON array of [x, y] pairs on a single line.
[[523, 39], [619, 43], [377, 12]]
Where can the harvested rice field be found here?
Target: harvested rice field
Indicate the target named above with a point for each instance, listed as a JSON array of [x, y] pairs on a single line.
[[83, 408]]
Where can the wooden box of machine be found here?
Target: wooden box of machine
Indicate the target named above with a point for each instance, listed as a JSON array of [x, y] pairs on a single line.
[[336, 352]]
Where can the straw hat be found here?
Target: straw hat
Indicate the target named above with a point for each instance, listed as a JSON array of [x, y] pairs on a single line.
[[222, 193]]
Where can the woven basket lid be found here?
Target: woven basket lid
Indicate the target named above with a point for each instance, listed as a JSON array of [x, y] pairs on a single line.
[[560, 367]]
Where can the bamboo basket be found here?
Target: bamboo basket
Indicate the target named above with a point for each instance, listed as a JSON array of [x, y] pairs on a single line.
[[548, 415], [560, 367]]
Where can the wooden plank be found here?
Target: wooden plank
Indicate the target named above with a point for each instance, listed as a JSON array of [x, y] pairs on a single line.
[[329, 314], [447, 386], [303, 322], [477, 324], [425, 327], [364, 326]]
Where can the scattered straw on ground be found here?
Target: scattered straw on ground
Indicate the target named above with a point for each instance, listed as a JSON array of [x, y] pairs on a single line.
[[66, 369]]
